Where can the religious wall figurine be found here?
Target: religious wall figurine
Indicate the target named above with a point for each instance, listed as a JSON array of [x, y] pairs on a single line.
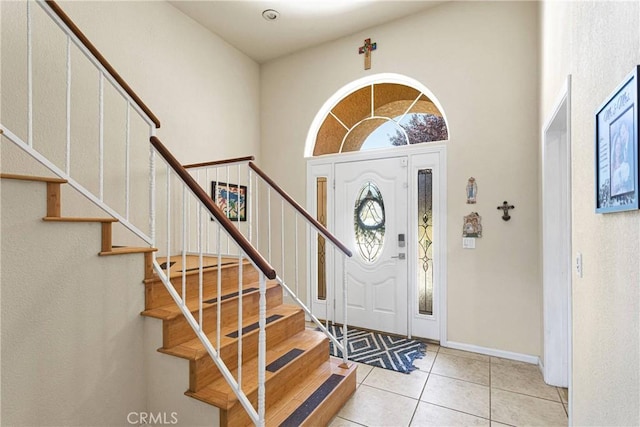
[[472, 226], [472, 190], [367, 49], [505, 210]]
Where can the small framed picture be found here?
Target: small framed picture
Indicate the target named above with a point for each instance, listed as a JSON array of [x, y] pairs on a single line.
[[617, 155], [231, 199]]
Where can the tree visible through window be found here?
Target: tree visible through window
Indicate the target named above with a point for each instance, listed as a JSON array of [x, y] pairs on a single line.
[[407, 130], [421, 128]]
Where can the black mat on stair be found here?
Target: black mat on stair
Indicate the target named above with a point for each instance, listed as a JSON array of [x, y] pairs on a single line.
[[284, 359], [164, 264], [232, 295], [254, 326], [313, 401]]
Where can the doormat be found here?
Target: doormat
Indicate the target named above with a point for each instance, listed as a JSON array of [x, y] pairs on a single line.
[[377, 349]]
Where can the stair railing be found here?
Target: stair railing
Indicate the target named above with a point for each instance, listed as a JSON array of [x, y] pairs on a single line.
[[201, 221], [92, 187], [275, 224], [196, 225]]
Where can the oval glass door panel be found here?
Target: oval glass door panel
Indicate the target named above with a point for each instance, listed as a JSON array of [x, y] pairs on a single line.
[[369, 222]]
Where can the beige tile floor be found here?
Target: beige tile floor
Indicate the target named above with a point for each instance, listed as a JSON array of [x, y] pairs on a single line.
[[454, 388]]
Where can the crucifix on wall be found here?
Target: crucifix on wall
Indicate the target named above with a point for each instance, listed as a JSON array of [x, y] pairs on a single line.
[[366, 49]]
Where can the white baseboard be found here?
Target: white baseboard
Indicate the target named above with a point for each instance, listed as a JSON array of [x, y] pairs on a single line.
[[527, 358]]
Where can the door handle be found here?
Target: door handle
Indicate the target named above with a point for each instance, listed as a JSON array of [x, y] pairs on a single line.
[[400, 256]]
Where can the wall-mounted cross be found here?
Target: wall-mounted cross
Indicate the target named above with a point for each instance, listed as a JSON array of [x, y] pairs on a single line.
[[366, 49], [505, 209]]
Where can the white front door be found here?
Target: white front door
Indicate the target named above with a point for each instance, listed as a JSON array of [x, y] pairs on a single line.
[[371, 219]]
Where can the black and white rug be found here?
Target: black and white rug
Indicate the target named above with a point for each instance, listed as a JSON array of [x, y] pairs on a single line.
[[376, 349]]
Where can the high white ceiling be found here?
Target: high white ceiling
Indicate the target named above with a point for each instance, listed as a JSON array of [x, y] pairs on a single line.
[[302, 23]]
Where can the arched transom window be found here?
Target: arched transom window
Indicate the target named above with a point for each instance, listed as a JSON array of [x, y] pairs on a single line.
[[380, 115]]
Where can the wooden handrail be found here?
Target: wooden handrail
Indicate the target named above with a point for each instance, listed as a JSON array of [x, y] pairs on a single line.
[[222, 219], [321, 228], [220, 162], [95, 52]]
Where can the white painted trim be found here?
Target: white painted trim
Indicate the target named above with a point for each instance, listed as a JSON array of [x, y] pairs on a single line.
[[564, 93], [419, 161], [541, 366], [520, 357], [557, 307], [570, 305], [443, 285], [381, 153], [319, 307]]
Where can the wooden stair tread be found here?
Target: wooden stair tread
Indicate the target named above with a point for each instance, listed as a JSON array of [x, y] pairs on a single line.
[[171, 311], [33, 178], [123, 250], [194, 349], [78, 219], [220, 394], [210, 263], [290, 401]]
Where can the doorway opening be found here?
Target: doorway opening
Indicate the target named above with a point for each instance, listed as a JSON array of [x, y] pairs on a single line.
[[376, 178], [557, 251]]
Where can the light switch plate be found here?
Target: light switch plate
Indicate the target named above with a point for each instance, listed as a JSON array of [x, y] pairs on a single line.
[[468, 243], [579, 264]]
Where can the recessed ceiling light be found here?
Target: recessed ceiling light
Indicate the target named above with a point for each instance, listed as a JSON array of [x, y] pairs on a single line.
[[270, 14]]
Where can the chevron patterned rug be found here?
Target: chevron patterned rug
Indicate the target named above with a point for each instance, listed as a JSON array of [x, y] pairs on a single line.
[[376, 349]]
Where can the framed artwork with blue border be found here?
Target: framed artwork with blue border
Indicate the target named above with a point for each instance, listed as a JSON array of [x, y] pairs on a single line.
[[617, 155]]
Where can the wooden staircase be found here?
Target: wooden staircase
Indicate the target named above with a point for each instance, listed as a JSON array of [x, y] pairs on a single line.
[[304, 385]]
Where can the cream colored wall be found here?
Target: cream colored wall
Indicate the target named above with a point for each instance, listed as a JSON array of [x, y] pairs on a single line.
[[598, 43], [204, 91], [206, 94], [72, 348], [480, 60], [167, 380]]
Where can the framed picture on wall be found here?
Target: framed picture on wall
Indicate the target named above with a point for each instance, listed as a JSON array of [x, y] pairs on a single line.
[[617, 155], [231, 198]]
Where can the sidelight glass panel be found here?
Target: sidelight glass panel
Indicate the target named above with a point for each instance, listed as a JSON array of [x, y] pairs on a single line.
[[369, 222], [321, 216], [425, 241]]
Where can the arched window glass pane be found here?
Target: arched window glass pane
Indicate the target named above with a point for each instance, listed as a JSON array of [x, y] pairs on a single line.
[[412, 129], [369, 222], [381, 137], [421, 128]]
